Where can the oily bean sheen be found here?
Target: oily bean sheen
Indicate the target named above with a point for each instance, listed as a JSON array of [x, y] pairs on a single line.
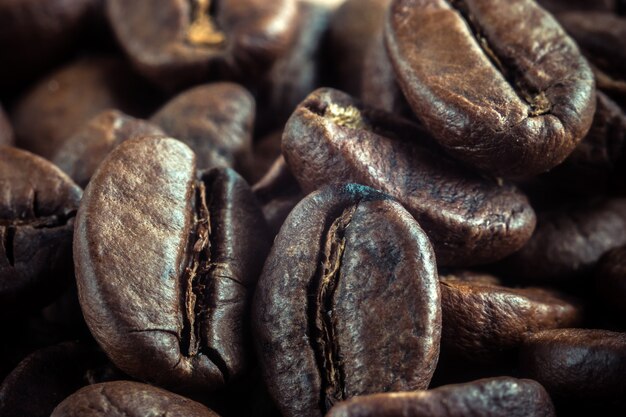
[[484, 320], [497, 82], [165, 262], [38, 203], [184, 42], [568, 242], [128, 399], [470, 219], [80, 155], [583, 364], [215, 120], [611, 281], [493, 397], [324, 331]]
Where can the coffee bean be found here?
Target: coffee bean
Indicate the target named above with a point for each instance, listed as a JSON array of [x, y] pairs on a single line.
[[611, 281], [215, 120], [6, 131], [166, 261], [502, 88], [294, 75], [38, 203], [278, 192], [484, 321], [80, 155], [59, 104], [186, 42], [470, 219], [265, 152], [494, 397], [125, 398], [578, 364], [598, 164], [46, 377], [324, 330], [353, 27], [559, 6], [568, 242]]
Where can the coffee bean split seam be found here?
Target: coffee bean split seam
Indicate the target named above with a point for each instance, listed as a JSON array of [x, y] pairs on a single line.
[[321, 311], [204, 30], [537, 101]]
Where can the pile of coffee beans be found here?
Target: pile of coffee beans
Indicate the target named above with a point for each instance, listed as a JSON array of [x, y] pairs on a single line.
[[266, 208]]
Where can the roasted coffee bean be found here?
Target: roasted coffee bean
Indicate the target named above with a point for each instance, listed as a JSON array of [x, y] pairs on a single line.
[[215, 120], [578, 364], [598, 164], [484, 320], [568, 242], [559, 6], [494, 397], [379, 88], [278, 192], [80, 155], [128, 399], [165, 263], [502, 86], [470, 219], [38, 203], [353, 27], [187, 42], [297, 73], [6, 131], [46, 377], [324, 331], [611, 281], [59, 104], [36, 35]]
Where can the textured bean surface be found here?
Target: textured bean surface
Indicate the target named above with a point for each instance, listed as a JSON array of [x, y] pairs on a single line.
[[470, 219], [323, 328], [503, 87], [495, 397]]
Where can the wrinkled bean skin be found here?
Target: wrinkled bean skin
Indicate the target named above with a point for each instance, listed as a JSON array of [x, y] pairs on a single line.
[[215, 120], [6, 131], [38, 203], [493, 397], [128, 399], [578, 364], [611, 281], [484, 321], [509, 93], [80, 155], [598, 164], [169, 308], [60, 103], [245, 37], [470, 219], [568, 242], [351, 250]]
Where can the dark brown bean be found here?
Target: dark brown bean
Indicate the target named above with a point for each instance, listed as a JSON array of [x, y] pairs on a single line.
[[215, 120], [165, 264], [6, 131], [484, 320], [502, 88], [80, 155], [185, 42], [323, 328], [128, 399], [611, 281], [59, 104], [38, 203], [470, 219], [494, 397]]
